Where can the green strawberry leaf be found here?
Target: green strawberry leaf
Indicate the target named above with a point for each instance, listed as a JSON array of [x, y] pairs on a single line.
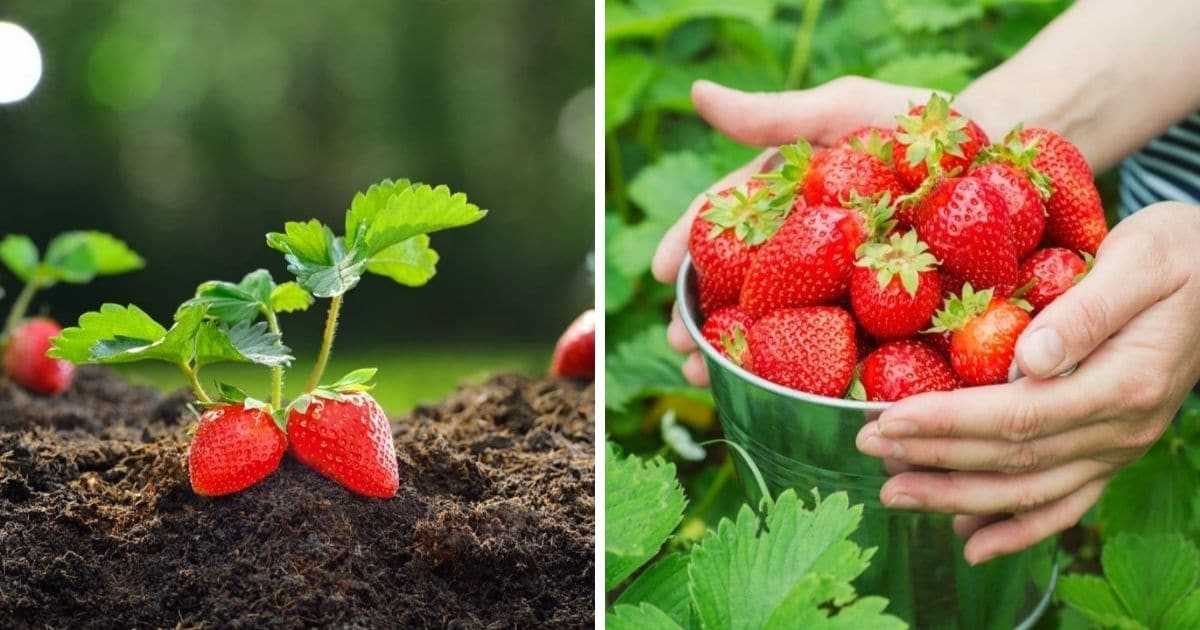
[[20, 255], [367, 205], [643, 504], [111, 322], [646, 366], [410, 262], [173, 346], [290, 297], [663, 584], [354, 381], [642, 617], [320, 261], [78, 257], [383, 220], [802, 608], [230, 393], [243, 342]]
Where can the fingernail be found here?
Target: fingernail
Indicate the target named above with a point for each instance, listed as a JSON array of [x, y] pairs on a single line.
[[901, 502], [868, 441], [897, 428], [1041, 351]]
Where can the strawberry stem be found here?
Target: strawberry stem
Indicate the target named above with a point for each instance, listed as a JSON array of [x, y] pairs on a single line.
[[335, 309], [194, 379], [20, 307], [277, 371]]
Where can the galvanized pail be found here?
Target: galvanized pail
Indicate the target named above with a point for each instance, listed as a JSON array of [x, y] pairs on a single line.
[[804, 441]]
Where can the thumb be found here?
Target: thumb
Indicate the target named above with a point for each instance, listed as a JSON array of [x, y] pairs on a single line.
[[822, 114], [1072, 326]]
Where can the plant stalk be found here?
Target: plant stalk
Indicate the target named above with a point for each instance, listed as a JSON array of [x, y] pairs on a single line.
[[20, 307], [194, 379], [803, 45], [331, 320], [277, 371]]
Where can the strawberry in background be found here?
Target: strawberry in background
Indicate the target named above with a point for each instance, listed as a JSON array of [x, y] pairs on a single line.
[[575, 352]]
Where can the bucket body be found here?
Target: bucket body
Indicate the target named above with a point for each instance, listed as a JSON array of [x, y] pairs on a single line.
[[804, 441]]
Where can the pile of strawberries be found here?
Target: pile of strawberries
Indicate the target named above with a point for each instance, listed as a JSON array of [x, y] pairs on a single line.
[[903, 260]]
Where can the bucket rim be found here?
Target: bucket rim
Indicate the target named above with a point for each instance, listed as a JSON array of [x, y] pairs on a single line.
[[683, 303]]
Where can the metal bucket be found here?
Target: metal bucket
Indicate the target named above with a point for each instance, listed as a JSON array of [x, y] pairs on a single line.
[[804, 441]]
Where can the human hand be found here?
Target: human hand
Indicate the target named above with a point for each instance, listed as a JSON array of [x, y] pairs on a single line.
[[821, 115], [1027, 459]]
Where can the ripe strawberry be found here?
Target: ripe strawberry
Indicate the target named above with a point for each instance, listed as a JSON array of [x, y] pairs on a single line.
[[726, 330], [810, 258], [1026, 211], [830, 177], [965, 222], [895, 289], [877, 141], [810, 349], [1050, 272], [725, 236], [984, 331], [1075, 217], [234, 448], [939, 341], [575, 352], [934, 133], [349, 440], [26, 363], [899, 369]]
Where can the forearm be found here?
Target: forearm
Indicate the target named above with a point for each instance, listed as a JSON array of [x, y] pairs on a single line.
[[1109, 74]]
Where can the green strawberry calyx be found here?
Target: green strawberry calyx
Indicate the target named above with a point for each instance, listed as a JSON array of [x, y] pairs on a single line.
[[875, 145], [961, 309], [354, 382], [1020, 154], [904, 256], [933, 133], [876, 212], [856, 390], [787, 179], [753, 217], [734, 344]]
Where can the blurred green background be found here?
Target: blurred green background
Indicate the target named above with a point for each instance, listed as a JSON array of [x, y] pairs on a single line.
[[190, 129]]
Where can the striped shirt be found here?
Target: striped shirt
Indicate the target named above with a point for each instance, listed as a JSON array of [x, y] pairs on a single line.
[[1167, 169]]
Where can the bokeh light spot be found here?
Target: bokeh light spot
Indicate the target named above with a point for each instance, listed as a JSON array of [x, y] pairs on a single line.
[[20, 63]]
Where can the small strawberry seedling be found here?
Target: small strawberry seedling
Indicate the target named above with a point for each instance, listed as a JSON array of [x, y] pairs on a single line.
[[337, 429], [72, 257]]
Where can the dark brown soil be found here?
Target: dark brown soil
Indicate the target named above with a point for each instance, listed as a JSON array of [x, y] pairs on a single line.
[[492, 527]]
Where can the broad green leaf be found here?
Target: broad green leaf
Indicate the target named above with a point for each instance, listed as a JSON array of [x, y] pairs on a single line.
[[764, 561], [1149, 574], [367, 204], [663, 584], [627, 76], [411, 262], [666, 188], [672, 89], [1092, 597], [290, 297], [318, 259], [1126, 505], [643, 504], [633, 246], [417, 209], [241, 343], [932, 16], [78, 257], [1184, 614], [802, 608], [111, 322], [646, 366], [176, 346], [354, 381], [232, 303], [618, 286], [20, 255], [948, 71], [656, 18], [643, 617]]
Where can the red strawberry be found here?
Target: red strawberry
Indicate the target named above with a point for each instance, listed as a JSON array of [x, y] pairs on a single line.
[[830, 177], [575, 352], [984, 332], [26, 363], [934, 132], [810, 258], [234, 448], [348, 440], [725, 236], [726, 330], [877, 141], [899, 369], [1075, 217], [810, 349], [1050, 272], [965, 223], [895, 288], [939, 341], [1026, 212]]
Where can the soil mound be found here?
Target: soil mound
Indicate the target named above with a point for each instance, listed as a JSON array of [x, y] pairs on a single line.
[[492, 527]]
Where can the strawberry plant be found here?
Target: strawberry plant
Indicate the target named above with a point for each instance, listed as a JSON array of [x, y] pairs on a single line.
[[72, 257], [335, 428]]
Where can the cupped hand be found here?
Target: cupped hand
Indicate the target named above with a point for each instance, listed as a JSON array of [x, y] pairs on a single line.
[[821, 115], [1025, 460]]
